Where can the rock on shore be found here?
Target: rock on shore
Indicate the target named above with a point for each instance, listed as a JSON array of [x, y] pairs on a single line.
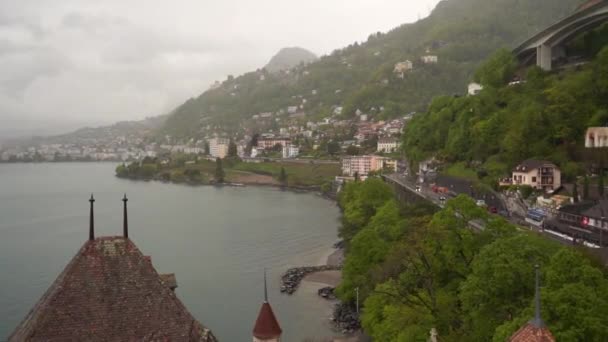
[[346, 318], [292, 277]]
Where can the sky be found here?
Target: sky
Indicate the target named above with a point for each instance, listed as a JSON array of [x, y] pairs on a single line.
[[65, 64]]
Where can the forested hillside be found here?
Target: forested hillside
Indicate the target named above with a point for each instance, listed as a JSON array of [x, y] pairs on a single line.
[[461, 33], [544, 117], [417, 269]]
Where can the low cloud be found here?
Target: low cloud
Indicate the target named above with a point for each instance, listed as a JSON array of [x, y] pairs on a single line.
[[71, 61]]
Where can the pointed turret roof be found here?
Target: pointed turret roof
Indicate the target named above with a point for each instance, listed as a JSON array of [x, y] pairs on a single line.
[[110, 292], [535, 330], [266, 326]]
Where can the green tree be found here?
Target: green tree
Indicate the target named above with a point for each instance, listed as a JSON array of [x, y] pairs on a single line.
[[352, 150], [232, 150], [219, 171], [283, 176], [574, 300], [359, 202], [122, 171], [333, 147], [501, 283], [586, 187], [497, 70]]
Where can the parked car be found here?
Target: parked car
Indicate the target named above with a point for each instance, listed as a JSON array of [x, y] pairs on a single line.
[[442, 199], [481, 203], [493, 210]]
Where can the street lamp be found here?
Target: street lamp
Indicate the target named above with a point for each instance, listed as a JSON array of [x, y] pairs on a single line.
[[357, 291]]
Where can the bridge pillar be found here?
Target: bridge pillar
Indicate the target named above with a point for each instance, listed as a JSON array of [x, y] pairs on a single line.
[[544, 57]]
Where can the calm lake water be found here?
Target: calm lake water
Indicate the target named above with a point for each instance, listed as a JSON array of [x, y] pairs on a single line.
[[216, 240]]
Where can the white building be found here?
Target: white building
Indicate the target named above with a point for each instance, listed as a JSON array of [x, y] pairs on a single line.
[[218, 147], [388, 145], [193, 150], [429, 59], [290, 151], [596, 137], [402, 67], [475, 88]]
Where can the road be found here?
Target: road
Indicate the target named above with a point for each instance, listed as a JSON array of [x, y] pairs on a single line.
[[426, 193]]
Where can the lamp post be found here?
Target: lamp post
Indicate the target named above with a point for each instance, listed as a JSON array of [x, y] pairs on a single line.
[[357, 291]]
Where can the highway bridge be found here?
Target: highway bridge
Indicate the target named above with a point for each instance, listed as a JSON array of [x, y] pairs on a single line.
[[549, 45]]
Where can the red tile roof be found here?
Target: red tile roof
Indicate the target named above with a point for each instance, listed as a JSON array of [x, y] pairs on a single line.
[[532, 333], [266, 326], [110, 292]]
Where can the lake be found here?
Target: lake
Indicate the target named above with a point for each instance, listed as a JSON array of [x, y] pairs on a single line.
[[216, 240]]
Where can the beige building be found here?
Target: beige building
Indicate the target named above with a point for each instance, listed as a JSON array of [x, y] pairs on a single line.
[[218, 147], [596, 137], [539, 174], [387, 145], [402, 67], [363, 165], [268, 143]]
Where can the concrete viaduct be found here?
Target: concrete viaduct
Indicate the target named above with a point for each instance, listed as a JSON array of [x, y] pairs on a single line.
[[548, 45]]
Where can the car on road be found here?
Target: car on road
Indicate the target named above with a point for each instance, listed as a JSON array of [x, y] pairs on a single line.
[[493, 210], [417, 188], [481, 203], [442, 199]]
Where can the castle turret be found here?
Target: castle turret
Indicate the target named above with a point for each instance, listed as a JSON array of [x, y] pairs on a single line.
[[266, 327], [535, 330]]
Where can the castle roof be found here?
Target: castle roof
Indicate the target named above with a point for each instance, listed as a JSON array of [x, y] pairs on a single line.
[[110, 291], [532, 333], [535, 330], [266, 326]]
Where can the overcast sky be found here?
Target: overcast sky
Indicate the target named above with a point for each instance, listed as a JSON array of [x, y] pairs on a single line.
[[68, 63]]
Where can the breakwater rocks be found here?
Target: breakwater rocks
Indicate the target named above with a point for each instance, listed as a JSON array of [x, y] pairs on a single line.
[[345, 318], [292, 277], [327, 293]]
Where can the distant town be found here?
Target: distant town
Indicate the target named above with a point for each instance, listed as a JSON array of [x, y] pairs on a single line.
[[363, 145]]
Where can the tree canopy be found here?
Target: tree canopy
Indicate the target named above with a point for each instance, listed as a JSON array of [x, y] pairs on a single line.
[[418, 269]]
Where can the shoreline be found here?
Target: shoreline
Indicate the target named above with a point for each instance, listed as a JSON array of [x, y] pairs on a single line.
[[316, 189]]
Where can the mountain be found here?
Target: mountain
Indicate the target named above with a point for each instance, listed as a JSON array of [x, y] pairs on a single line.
[[461, 33], [103, 134], [288, 58]]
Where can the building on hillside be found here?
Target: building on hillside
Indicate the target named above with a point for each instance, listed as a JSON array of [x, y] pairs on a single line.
[[535, 330], [292, 109], [218, 147], [363, 165], [267, 328], [387, 145], [269, 143], [539, 174], [596, 137], [290, 151], [192, 150], [402, 67], [586, 221], [429, 59], [110, 291], [474, 88]]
